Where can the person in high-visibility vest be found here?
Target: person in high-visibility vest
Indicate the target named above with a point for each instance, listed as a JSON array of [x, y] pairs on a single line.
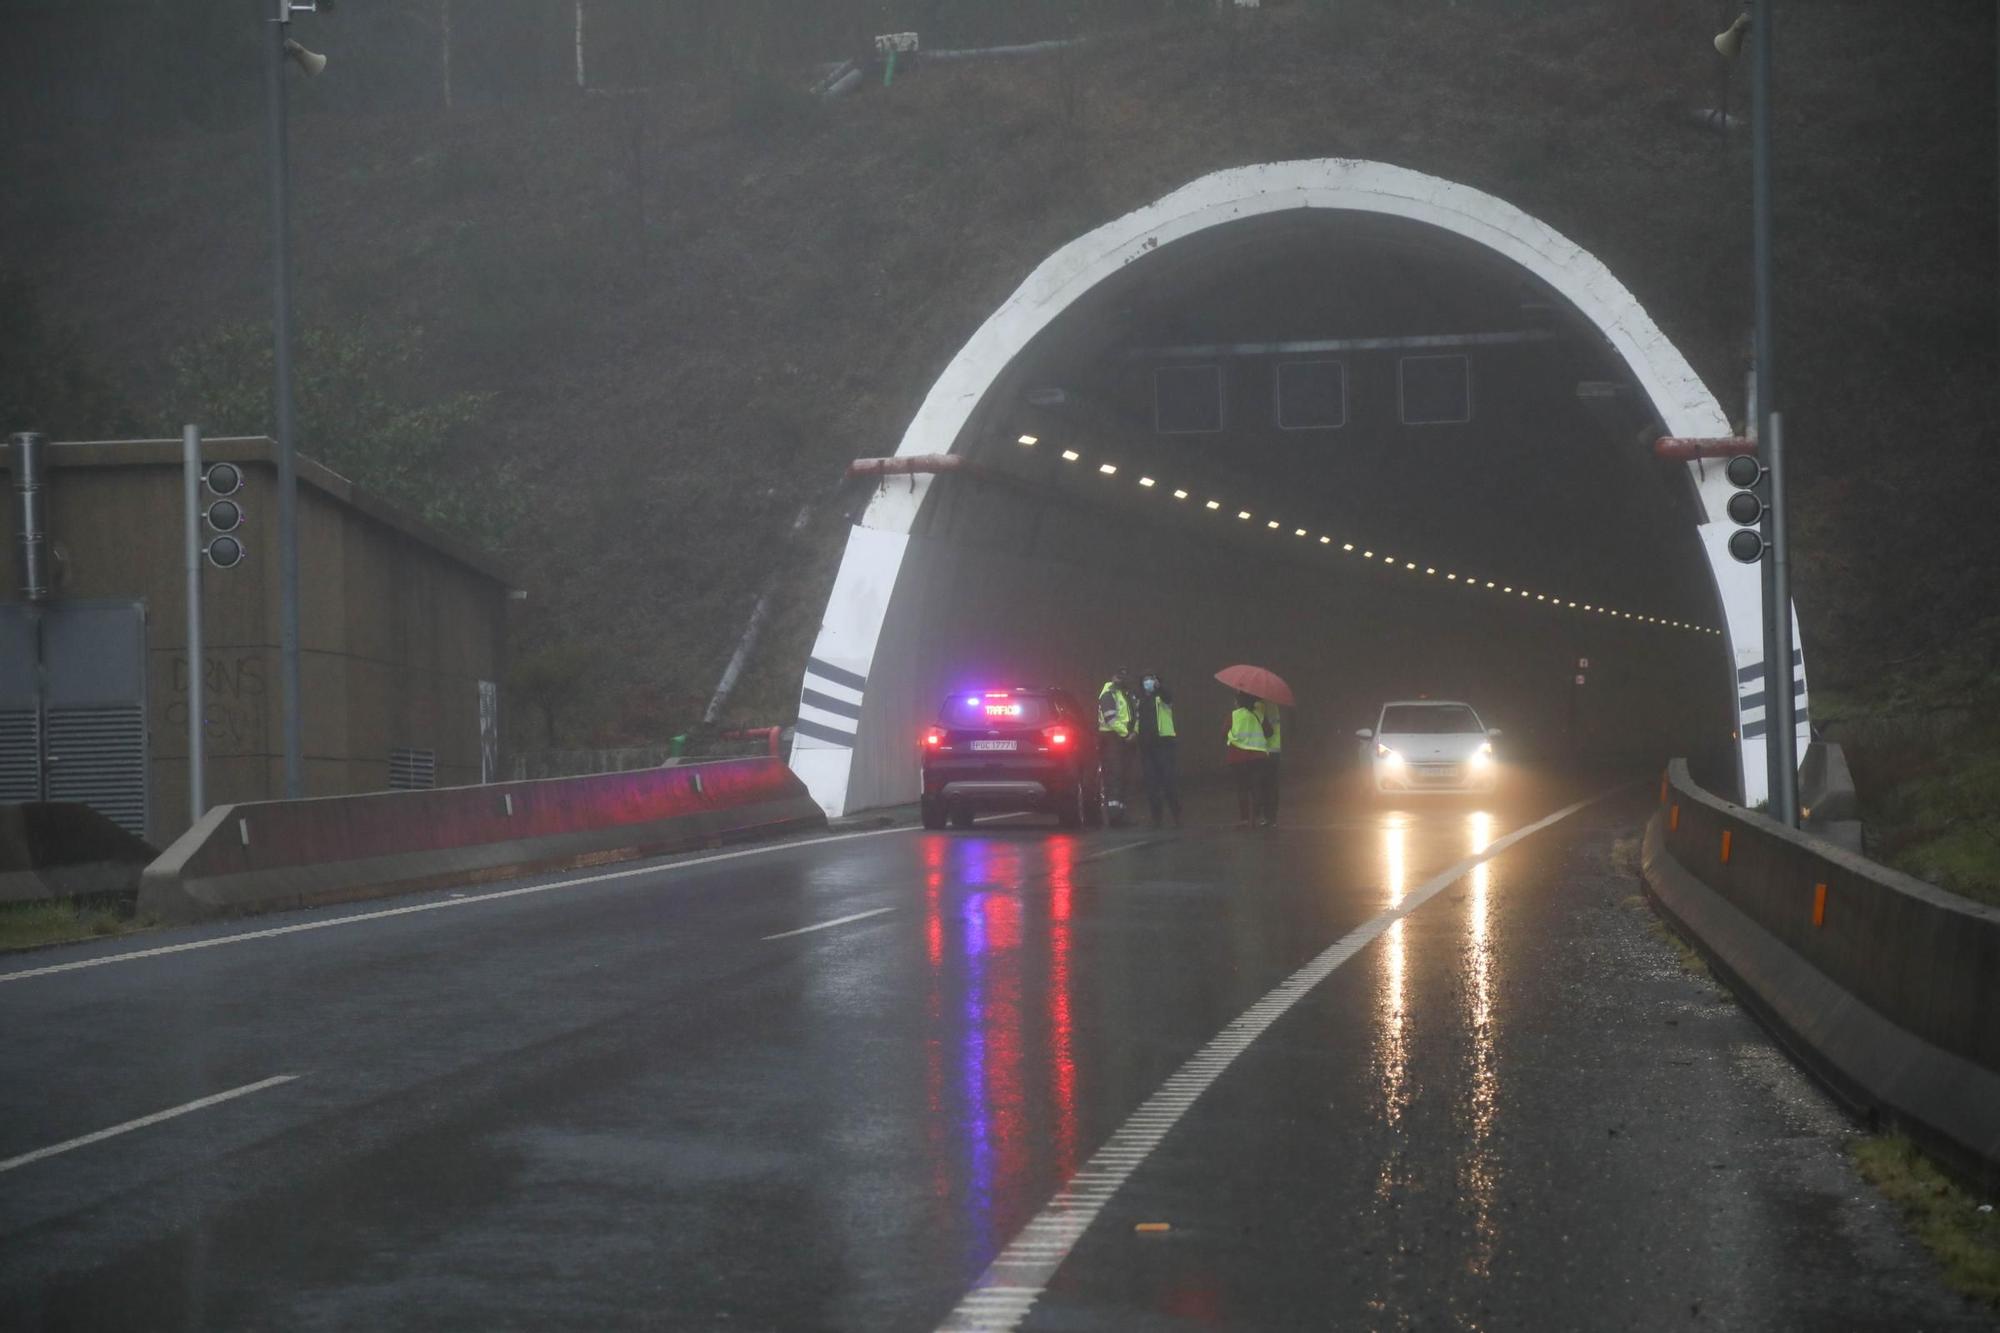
[[1157, 745], [1274, 738], [1117, 741], [1249, 751]]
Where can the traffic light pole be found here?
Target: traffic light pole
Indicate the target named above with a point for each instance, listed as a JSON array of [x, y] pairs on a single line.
[[1780, 738], [197, 707], [281, 400]]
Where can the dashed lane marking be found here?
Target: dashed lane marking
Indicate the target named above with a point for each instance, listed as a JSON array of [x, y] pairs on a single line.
[[199, 1104], [1122, 847], [828, 925], [436, 905], [1007, 1291]]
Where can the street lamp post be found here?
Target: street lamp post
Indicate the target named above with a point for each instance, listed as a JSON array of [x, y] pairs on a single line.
[[278, 48], [1780, 710]]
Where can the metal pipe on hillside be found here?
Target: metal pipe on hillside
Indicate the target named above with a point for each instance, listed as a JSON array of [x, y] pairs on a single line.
[[31, 514], [752, 631], [1004, 52]]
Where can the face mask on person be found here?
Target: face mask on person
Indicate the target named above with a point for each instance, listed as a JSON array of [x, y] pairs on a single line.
[[1151, 684]]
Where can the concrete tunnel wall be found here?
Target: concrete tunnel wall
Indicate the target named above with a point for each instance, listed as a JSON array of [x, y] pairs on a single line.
[[905, 611], [1040, 590]]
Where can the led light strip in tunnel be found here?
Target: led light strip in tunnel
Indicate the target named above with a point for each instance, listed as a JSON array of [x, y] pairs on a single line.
[[1419, 568]]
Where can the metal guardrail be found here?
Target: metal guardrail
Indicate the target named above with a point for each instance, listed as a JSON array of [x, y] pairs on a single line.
[[693, 747], [1885, 986]]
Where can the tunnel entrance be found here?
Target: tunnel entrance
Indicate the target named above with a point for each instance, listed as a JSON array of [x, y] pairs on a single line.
[[1385, 434]]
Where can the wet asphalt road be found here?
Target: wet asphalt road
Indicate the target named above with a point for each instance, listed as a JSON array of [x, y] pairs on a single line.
[[619, 1104]]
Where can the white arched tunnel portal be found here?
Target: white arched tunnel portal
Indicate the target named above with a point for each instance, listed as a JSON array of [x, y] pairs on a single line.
[[867, 692]]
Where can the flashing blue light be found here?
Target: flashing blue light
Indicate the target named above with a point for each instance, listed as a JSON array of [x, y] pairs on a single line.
[[972, 701]]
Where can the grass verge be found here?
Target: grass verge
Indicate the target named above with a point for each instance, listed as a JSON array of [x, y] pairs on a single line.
[[1945, 1217], [29, 925]]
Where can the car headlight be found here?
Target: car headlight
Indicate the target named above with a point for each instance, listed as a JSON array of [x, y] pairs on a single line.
[[1388, 755], [1483, 756]]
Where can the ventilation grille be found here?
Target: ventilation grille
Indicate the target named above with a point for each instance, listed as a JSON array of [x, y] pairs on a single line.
[[412, 770], [20, 755], [98, 756]]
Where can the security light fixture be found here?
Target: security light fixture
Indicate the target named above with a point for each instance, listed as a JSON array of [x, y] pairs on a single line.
[[1729, 42]]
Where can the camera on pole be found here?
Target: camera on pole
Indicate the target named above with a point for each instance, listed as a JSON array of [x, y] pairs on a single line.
[[223, 515], [1746, 508]]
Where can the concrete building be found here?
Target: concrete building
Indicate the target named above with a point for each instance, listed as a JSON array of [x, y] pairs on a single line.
[[402, 642]]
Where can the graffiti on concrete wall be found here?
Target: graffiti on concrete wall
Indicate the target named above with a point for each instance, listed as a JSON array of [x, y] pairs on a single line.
[[233, 687]]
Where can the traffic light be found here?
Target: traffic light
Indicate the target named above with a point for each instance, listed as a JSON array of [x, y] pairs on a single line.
[[1746, 507], [223, 515]]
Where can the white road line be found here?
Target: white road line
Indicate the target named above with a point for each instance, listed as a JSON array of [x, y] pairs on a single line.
[[828, 925], [1123, 847], [1027, 1267], [434, 906], [199, 1104]]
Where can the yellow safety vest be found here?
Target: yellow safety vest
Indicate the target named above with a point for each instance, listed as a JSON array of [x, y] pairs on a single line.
[[1163, 714], [1269, 713], [1246, 732], [1116, 720]]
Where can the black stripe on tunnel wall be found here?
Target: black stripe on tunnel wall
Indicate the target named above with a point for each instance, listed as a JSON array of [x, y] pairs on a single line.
[[831, 735], [831, 704], [838, 675]]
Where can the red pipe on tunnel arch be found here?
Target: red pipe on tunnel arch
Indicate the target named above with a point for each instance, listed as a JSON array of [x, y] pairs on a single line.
[[908, 464], [1679, 450]]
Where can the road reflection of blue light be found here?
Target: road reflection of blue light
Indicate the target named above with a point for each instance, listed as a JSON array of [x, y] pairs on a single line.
[[979, 1055], [975, 857], [972, 1078]]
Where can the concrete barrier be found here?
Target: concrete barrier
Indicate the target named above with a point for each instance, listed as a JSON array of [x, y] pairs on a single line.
[[58, 849], [268, 855], [1887, 987]]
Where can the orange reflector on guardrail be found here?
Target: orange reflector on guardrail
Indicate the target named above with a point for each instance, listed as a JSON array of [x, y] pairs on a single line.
[[1674, 819], [1819, 904], [1725, 846]]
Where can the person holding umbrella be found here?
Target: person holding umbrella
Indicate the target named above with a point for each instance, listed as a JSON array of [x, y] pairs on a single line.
[[1248, 753], [1259, 694]]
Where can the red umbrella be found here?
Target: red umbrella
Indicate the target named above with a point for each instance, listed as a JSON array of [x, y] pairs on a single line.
[[1256, 680]]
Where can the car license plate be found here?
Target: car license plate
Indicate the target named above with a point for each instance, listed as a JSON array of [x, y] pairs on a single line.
[[996, 745]]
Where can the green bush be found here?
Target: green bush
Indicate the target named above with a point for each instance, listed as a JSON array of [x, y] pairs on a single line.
[[358, 413]]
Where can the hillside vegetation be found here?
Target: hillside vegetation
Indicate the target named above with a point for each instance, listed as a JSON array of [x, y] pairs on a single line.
[[633, 333]]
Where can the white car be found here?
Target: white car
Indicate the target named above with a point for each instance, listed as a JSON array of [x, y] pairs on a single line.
[[1431, 745]]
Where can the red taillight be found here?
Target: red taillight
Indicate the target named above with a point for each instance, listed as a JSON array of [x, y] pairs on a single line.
[[1058, 738], [934, 738]]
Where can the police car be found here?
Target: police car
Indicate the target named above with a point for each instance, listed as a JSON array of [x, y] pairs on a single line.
[[1430, 745], [996, 751]]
